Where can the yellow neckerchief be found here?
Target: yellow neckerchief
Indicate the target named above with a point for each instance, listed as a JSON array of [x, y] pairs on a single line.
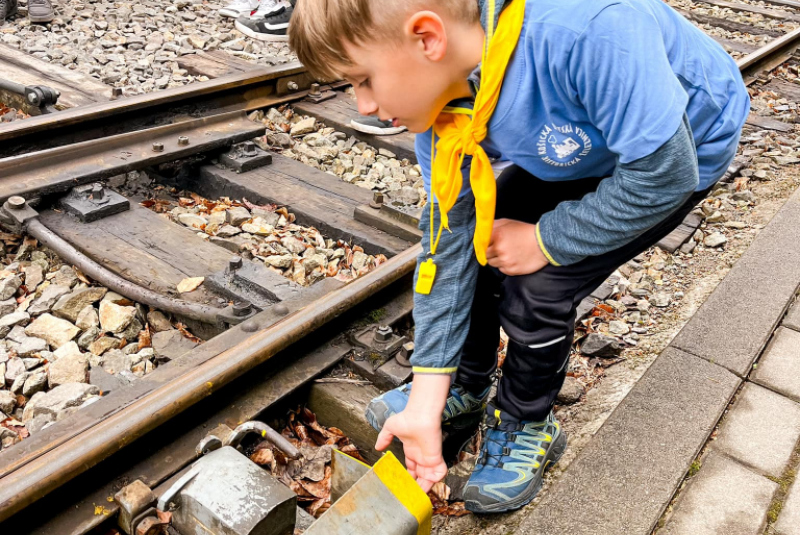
[[460, 132]]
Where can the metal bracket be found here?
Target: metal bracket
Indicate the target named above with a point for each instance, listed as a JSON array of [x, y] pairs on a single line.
[[244, 280], [316, 94], [38, 96], [245, 157], [91, 202], [379, 340], [16, 212]]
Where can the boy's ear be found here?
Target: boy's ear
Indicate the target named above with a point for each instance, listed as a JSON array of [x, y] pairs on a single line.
[[426, 29]]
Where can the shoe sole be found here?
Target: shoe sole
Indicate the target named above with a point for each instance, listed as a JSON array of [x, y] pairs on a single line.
[[376, 131], [552, 457], [231, 14], [261, 36], [41, 19]]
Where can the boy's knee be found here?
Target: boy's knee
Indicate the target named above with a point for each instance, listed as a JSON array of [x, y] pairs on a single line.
[[535, 309]]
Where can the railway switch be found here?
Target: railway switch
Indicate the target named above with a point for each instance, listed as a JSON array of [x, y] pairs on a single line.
[[226, 493]]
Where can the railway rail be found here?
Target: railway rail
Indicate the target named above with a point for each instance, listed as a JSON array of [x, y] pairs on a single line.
[[53, 481]]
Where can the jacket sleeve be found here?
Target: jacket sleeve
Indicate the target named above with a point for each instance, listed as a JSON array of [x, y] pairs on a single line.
[[441, 318], [636, 197]]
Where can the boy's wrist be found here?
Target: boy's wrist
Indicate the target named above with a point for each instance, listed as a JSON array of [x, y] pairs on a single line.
[[428, 397]]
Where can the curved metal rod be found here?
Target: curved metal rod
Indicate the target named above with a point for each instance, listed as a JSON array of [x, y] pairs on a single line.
[[278, 440], [68, 253]]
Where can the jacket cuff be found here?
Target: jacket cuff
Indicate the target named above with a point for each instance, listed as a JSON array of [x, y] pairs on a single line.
[[433, 371], [544, 248]]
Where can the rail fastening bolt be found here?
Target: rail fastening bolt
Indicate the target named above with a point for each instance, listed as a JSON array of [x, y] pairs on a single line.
[[292, 86], [241, 309], [16, 202], [183, 141], [98, 192], [314, 90], [249, 148], [158, 147], [377, 200], [404, 356], [235, 263], [383, 333]]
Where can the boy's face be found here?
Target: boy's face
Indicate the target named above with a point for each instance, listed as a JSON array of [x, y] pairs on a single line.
[[406, 81]]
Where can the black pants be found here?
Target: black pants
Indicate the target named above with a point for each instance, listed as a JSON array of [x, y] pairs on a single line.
[[537, 311]]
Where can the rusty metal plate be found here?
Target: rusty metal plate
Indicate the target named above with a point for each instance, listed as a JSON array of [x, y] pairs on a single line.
[[60, 169]]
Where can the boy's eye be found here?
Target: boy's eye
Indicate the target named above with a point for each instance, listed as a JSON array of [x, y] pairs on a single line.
[[366, 83]]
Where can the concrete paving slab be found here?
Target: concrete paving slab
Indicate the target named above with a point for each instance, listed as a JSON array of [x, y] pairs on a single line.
[[789, 520], [779, 366], [625, 477], [761, 430], [734, 324], [724, 498], [792, 319]]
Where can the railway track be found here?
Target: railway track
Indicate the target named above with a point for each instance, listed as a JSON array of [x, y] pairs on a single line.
[[263, 358]]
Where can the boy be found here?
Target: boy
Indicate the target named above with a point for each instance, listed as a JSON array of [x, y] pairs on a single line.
[[618, 116]]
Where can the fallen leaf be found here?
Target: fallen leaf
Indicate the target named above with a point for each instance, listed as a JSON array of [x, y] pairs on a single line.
[[186, 334], [190, 284], [263, 457], [145, 338]]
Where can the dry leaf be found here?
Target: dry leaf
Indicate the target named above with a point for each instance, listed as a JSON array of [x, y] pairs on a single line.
[[186, 334], [145, 338], [263, 457], [190, 284]]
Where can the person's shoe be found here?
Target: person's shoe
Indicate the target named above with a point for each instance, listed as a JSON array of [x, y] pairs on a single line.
[[376, 127], [512, 460], [272, 27], [40, 11], [237, 8], [8, 8], [463, 410]]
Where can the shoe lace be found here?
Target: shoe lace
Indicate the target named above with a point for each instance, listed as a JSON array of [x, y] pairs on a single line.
[[501, 439]]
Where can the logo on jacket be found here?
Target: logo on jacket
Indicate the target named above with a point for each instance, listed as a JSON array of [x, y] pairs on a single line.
[[563, 146]]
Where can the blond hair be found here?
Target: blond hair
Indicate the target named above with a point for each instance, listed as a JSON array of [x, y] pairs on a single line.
[[320, 29]]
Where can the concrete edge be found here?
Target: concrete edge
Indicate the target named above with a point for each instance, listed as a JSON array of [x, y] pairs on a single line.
[[734, 325], [629, 472]]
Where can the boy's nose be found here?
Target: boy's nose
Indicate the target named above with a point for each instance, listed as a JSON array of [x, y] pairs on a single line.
[[366, 106]]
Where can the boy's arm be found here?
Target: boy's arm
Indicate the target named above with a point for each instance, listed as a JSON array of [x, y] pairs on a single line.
[[619, 72]]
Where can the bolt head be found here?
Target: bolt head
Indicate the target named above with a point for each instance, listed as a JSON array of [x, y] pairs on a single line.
[[383, 333], [97, 192], [16, 202], [292, 86], [183, 140], [158, 147], [377, 199], [235, 263], [249, 148], [314, 89], [407, 350]]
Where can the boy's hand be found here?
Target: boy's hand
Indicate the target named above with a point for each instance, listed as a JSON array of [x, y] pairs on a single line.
[[419, 428], [514, 249], [422, 444]]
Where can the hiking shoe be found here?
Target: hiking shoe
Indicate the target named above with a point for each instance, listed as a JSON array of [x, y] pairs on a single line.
[[512, 460], [376, 127], [40, 11], [8, 8], [237, 8], [272, 27], [463, 410]]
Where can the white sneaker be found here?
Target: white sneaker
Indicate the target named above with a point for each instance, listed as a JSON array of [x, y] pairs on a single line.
[[267, 8], [238, 8]]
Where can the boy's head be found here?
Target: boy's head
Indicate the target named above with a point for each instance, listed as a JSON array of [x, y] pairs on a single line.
[[406, 59]]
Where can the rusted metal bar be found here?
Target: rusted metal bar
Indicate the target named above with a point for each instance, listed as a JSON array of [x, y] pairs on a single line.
[[70, 255], [769, 56], [59, 169], [52, 468]]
